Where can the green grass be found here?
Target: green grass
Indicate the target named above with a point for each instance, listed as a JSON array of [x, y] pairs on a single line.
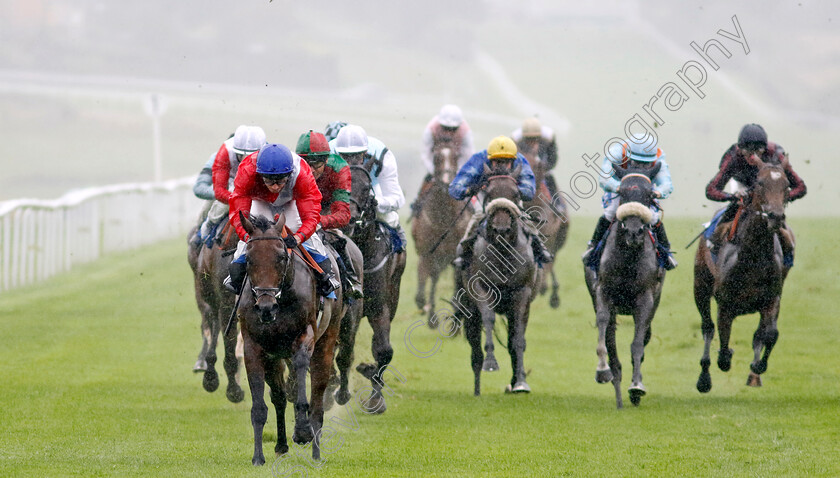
[[97, 382]]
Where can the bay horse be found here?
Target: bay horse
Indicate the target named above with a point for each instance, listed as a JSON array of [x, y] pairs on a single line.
[[747, 276], [500, 279], [437, 229], [210, 266], [551, 219], [382, 276], [629, 280], [278, 315]]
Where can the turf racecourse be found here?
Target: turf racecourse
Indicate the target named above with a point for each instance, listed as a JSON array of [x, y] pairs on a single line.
[[97, 382]]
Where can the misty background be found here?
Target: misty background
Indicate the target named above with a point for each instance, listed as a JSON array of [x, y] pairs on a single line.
[[75, 76]]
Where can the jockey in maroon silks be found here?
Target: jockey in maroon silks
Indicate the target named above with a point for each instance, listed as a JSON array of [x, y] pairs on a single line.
[[741, 163], [332, 175]]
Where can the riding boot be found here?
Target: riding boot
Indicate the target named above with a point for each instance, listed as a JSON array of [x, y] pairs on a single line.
[[326, 280], [541, 254], [352, 286], [787, 241], [600, 229], [417, 205], [234, 281], [464, 252], [664, 244]]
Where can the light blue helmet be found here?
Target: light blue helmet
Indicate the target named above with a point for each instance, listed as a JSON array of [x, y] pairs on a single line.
[[644, 151], [274, 160]]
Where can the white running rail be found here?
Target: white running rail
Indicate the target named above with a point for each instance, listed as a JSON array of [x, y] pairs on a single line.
[[40, 238]]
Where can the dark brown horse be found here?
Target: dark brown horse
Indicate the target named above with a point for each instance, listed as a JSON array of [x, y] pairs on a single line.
[[382, 276], [629, 281], [747, 276], [278, 314], [210, 266], [437, 229], [501, 280], [551, 219]]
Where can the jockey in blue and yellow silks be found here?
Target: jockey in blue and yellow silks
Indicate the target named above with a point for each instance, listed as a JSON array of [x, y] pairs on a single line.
[[501, 153]]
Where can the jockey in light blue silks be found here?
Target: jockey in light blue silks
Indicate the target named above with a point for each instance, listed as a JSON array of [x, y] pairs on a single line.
[[643, 154]]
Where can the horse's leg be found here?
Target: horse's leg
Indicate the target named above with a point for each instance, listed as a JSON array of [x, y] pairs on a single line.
[[765, 337], [300, 363], [259, 411], [603, 372], [554, 302], [472, 331], [382, 353], [724, 323], [319, 370], [434, 276], [234, 392], [346, 344], [703, 288], [517, 323], [488, 320], [201, 361], [641, 320], [277, 392], [615, 364], [422, 275], [211, 377]]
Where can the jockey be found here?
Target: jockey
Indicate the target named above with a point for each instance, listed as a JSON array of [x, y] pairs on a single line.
[[332, 129], [271, 181], [546, 143], [740, 162], [644, 155], [244, 141], [450, 129], [501, 153], [357, 148], [332, 175]]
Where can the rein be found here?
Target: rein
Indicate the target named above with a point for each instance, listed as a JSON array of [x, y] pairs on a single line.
[[275, 291]]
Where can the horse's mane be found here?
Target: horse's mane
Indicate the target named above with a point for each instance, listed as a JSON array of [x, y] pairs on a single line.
[[503, 203], [262, 223], [634, 209]]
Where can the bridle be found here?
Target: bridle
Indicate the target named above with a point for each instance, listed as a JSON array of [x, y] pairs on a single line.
[[364, 206], [275, 291]]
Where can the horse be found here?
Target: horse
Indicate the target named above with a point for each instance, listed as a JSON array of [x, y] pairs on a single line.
[[382, 276], [629, 280], [210, 266], [501, 279], [550, 215], [747, 276], [437, 229], [278, 316]]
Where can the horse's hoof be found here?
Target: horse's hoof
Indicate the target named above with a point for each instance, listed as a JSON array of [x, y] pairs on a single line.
[[211, 381], [725, 359], [704, 383], [754, 380], [368, 370], [258, 461], [603, 376], [554, 302], [521, 387], [420, 302], [302, 435], [281, 449], [636, 394], [342, 396], [200, 366], [490, 365], [759, 368], [375, 404], [235, 393]]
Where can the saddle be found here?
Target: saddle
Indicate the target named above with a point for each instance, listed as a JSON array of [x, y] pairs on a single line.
[[594, 261]]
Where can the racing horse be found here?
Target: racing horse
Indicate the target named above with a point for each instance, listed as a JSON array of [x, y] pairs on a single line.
[[746, 277], [278, 315], [551, 219], [629, 280], [382, 276], [437, 229], [501, 280], [210, 265]]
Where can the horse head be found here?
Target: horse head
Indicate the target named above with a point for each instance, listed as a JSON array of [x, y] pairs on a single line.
[[502, 220], [769, 194], [446, 166], [267, 264], [362, 200], [635, 198], [502, 183]]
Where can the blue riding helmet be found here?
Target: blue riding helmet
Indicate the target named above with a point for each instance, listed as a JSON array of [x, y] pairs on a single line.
[[274, 159]]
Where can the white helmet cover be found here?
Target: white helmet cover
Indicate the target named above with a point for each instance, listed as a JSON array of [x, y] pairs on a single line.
[[351, 139], [248, 139], [450, 116]]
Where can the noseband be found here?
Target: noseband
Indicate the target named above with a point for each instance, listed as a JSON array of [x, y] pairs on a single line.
[[275, 291]]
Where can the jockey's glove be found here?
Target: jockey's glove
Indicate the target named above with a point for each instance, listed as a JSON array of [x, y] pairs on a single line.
[[290, 241]]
